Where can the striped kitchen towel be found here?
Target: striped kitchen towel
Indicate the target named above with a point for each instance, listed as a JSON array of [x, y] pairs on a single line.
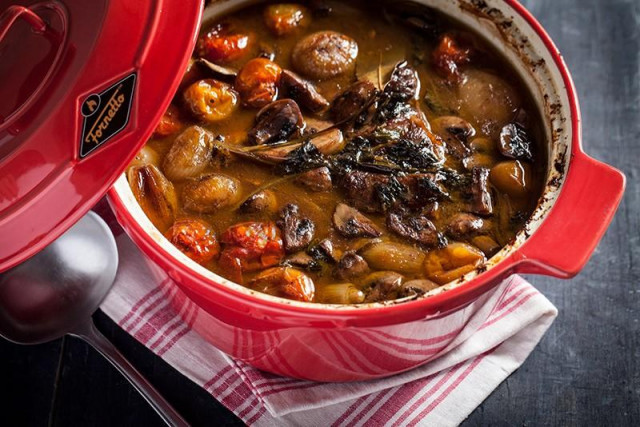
[[441, 393]]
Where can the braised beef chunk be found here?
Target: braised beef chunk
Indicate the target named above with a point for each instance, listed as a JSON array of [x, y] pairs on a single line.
[[318, 179], [515, 142], [465, 225], [351, 265], [360, 189], [374, 192], [416, 228], [278, 121], [304, 92], [351, 223], [352, 102], [423, 188], [403, 85], [297, 232], [383, 285], [481, 202]]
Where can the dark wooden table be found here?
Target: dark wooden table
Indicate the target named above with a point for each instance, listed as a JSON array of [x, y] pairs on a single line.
[[586, 370]]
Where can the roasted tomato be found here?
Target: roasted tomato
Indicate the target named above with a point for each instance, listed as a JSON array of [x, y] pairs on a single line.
[[210, 100], [220, 46], [250, 246], [285, 282], [285, 18], [170, 122], [195, 239], [448, 56], [257, 82]]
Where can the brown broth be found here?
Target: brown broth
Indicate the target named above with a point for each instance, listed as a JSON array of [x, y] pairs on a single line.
[[380, 42]]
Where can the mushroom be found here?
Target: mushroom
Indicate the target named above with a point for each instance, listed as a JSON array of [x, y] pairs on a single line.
[[382, 285], [417, 228], [456, 132], [351, 223], [295, 87], [352, 101], [351, 265], [278, 121], [325, 251]]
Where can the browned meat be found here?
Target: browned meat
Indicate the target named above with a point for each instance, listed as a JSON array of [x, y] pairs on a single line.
[[465, 225], [318, 179], [351, 223], [403, 85], [297, 232], [304, 92], [350, 103], [481, 203], [278, 121], [373, 192], [515, 143], [359, 187], [351, 265], [417, 228]]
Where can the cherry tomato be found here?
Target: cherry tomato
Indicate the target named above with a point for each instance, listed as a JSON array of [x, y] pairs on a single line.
[[170, 122], [219, 46], [448, 56], [285, 18], [285, 282], [257, 82], [250, 246], [210, 100], [195, 239]]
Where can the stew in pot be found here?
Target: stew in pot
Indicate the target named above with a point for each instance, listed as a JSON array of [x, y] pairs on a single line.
[[343, 154]]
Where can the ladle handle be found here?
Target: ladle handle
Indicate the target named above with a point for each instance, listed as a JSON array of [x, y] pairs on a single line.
[[91, 335]]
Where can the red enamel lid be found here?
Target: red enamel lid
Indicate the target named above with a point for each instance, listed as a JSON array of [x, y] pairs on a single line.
[[83, 84]]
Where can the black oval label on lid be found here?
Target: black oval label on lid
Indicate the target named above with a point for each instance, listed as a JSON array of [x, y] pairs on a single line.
[[106, 114]]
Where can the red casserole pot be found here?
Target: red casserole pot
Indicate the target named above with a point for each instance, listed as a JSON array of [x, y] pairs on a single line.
[[344, 343], [358, 342]]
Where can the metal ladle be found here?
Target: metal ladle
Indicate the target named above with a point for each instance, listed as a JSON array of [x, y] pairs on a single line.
[[56, 291]]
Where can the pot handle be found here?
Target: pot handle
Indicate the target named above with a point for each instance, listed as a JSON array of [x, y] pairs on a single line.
[[11, 15], [565, 240]]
